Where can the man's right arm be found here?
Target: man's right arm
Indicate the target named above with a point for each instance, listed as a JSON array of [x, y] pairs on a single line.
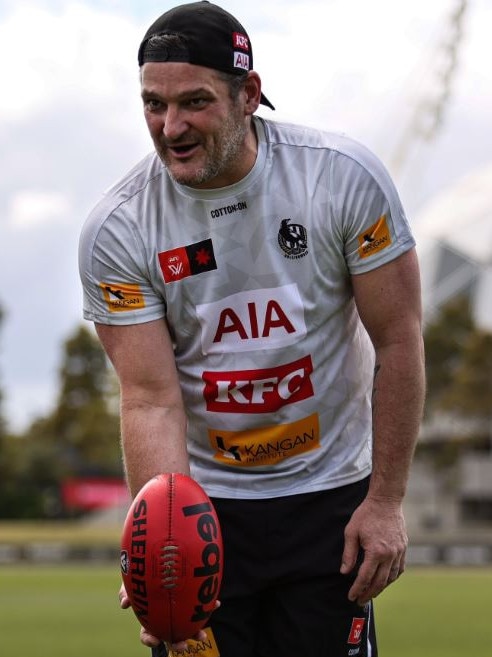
[[153, 421]]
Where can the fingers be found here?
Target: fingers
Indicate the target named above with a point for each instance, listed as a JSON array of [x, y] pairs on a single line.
[[373, 577], [123, 598], [151, 641], [395, 572], [376, 529], [350, 553], [145, 637], [183, 645], [200, 636]]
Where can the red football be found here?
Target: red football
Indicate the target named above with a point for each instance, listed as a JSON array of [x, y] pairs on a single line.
[[171, 557]]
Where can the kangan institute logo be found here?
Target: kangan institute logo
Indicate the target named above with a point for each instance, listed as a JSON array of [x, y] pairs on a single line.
[[292, 239]]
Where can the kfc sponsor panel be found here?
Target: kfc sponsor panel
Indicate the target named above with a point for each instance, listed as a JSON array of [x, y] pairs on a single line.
[[258, 391]]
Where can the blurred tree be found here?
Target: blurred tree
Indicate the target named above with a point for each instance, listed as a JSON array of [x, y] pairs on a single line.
[[471, 390], [16, 499], [445, 339], [4, 457], [79, 438], [459, 385], [3, 425], [22, 488], [82, 430]]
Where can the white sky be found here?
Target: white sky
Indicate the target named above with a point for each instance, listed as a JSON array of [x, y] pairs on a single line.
[[70, 124]]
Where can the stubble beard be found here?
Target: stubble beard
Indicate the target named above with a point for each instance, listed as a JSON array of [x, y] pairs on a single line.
[[225, 154]]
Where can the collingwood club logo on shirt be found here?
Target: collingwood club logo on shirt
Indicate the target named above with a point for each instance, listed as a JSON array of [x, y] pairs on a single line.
[[292, 239]]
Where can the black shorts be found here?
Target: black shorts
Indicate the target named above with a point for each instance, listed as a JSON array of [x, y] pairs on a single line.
[[282, 593]]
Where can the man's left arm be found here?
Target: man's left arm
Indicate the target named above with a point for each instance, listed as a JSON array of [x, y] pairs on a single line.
[[389, 304]]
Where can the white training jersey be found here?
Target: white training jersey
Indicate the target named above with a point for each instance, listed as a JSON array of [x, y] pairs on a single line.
[[254, 282]]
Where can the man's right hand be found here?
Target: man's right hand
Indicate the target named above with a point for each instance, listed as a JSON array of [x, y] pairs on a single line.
[[149, 639]]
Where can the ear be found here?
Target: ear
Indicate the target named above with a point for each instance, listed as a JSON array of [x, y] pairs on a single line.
[[252, 88]]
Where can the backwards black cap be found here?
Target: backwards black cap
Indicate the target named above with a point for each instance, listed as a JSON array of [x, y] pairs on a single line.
[[214, 38]]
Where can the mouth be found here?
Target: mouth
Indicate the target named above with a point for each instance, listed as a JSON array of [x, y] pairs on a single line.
[[182, 151]]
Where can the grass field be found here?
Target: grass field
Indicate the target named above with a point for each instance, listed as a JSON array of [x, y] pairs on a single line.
[[71, 533], [72, 611], [439, 612]]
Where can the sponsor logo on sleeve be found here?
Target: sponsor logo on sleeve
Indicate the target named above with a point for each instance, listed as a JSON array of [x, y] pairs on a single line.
[[189, 260], [355, 635], [376, 238], [256, 319], [258, 391], [122, 297], [265, 445]]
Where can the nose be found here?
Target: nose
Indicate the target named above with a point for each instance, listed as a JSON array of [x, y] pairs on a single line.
[[174, 123]]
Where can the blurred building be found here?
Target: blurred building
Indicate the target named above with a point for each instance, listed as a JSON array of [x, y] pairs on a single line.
[[454, 236]]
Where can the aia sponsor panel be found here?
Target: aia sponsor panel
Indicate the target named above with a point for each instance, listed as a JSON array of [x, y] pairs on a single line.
[[256, 319]]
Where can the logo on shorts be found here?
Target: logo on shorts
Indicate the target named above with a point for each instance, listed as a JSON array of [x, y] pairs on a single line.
[[292, 239], [355, 635]]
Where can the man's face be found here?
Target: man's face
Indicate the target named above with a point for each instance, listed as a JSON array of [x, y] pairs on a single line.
[[200, 134]]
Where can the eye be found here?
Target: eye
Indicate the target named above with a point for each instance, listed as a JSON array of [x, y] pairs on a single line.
[[152, 104], [198, 103]]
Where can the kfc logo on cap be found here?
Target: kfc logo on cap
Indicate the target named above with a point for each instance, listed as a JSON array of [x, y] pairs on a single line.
[[240, 41]]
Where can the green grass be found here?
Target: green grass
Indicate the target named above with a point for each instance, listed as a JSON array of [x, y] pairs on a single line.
[[436, 612], [65, 611], [72, 611], [71, 533]]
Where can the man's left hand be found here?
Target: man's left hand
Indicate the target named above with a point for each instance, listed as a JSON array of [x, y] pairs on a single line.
[[377, 527]]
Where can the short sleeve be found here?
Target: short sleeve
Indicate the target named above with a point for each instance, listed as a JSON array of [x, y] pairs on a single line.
[[114, 272], [371, 217]]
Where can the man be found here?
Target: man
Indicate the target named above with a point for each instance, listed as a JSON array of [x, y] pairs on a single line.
[[256, 287]]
